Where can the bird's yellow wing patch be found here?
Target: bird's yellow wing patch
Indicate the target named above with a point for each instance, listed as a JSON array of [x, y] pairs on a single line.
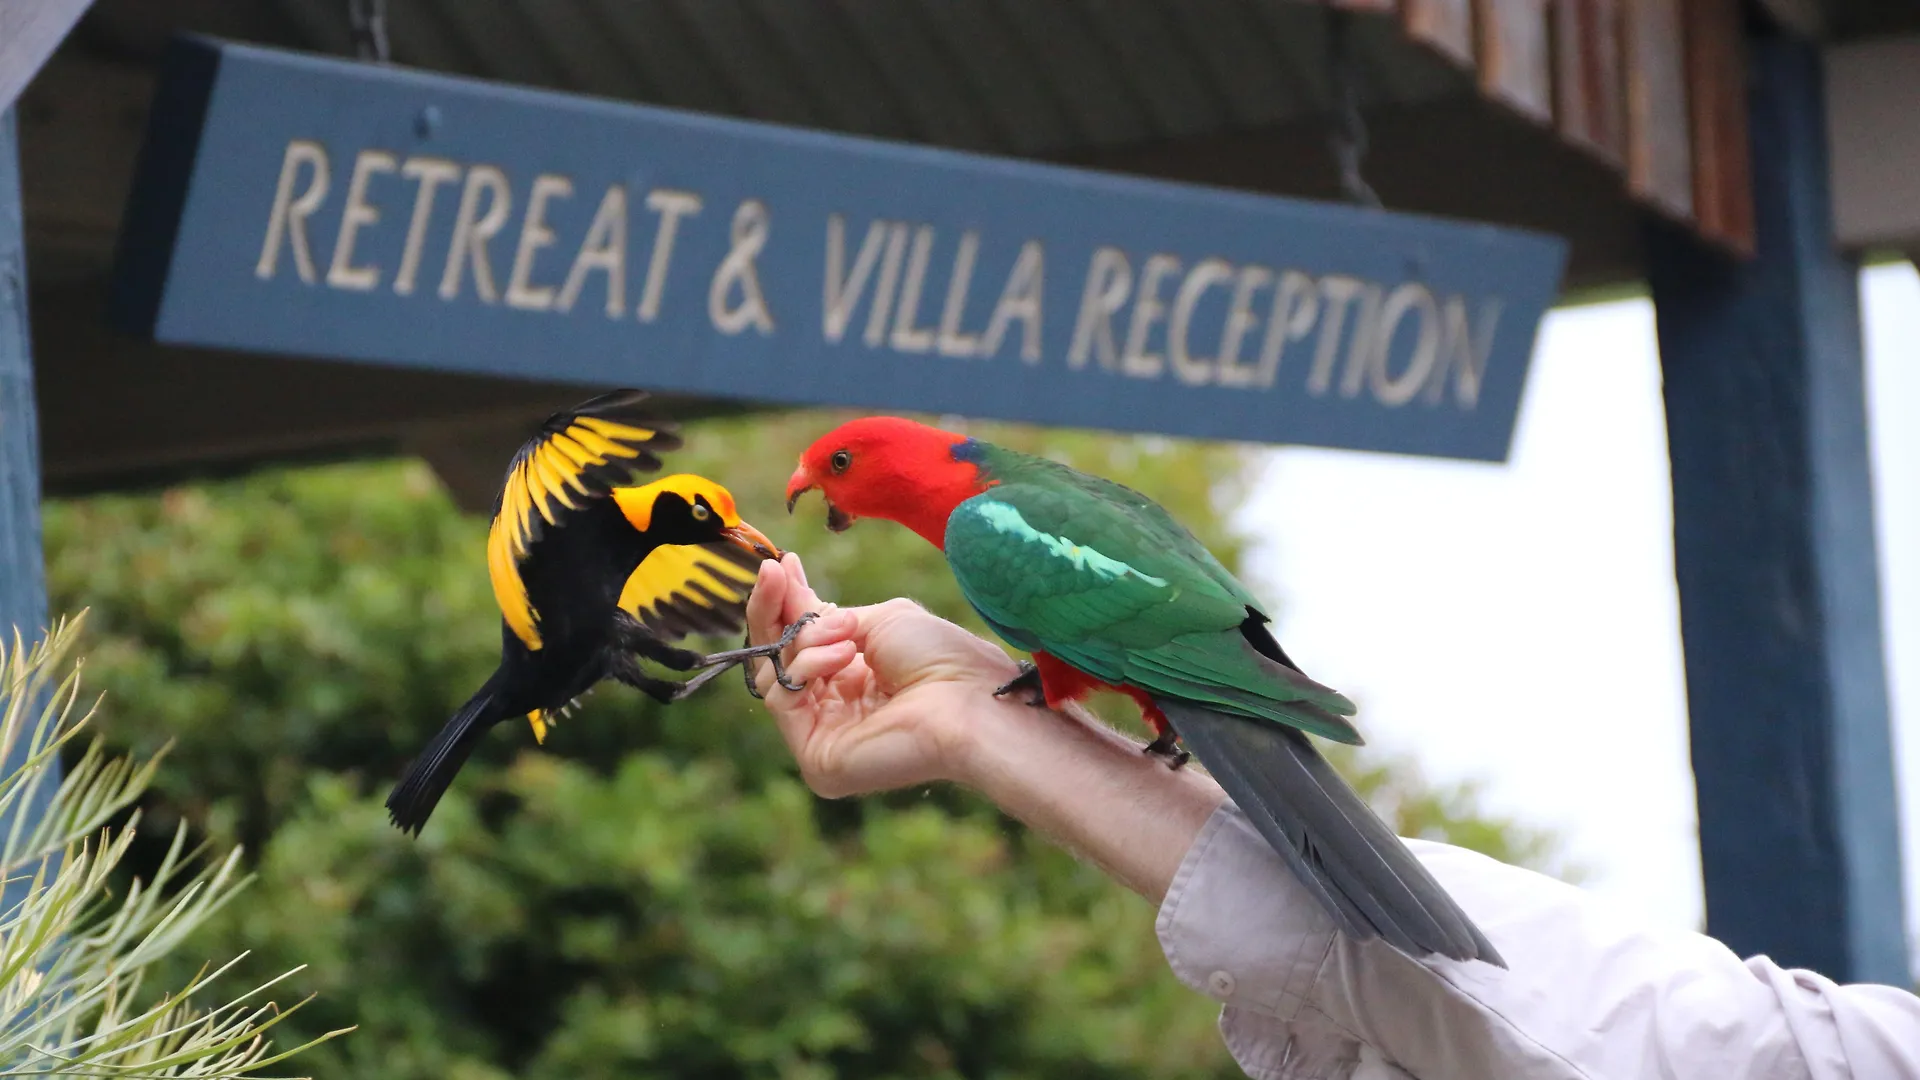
[[579, 456], [684, 589]]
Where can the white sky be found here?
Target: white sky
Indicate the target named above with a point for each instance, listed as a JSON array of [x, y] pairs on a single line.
[[1464, 605]]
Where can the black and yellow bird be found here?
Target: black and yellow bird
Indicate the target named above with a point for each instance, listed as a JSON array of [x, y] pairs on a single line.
[[592, 573]]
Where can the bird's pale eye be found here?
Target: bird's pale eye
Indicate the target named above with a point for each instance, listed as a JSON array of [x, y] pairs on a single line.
[[701, 513], [841, 459]]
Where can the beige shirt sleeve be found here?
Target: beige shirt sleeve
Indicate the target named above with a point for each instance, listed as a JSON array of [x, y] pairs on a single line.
[[1588, 996]]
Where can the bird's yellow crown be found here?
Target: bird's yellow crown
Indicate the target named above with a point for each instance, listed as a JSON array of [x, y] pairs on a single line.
[[637, 502]]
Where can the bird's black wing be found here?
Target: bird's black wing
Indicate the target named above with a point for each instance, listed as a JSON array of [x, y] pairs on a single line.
[[579, 455]]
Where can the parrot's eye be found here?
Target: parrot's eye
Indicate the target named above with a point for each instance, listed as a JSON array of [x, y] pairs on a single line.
[[701, 513], [841, 459]]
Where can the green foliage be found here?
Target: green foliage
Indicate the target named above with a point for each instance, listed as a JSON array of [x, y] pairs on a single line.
[[653, 892], [72, 959]]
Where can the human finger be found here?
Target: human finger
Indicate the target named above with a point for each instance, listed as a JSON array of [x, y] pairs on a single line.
[[767, 601], [821, 662], [800, 597]]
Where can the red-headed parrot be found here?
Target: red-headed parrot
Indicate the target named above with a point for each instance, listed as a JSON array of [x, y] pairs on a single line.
[[590, 574], [1107, 591]]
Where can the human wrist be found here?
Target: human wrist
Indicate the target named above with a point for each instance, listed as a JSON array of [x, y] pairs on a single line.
[[973, 745]]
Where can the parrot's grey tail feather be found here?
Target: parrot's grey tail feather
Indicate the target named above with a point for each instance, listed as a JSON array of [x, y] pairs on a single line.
[[1348, 858]]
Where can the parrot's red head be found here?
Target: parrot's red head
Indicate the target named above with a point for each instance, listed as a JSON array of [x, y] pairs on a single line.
[[887, 467]]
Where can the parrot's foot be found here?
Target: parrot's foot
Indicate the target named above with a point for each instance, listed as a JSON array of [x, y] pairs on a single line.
[[1028, 679], [771, 651], [1164, 746]]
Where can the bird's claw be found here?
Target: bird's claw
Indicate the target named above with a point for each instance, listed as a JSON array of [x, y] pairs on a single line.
[[687, 689], [1028, 679], [772, 653], [1164, 746]]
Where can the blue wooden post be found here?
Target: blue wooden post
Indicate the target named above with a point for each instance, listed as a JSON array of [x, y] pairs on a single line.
[[1774, 555], [23, 579]]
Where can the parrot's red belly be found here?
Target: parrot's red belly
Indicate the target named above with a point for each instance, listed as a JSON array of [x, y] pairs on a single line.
[[1062, 683]]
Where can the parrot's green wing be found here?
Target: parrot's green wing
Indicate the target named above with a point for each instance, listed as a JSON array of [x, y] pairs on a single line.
[[1105, 580]]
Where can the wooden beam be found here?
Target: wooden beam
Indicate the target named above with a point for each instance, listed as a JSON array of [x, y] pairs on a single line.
[[1773, 545], [1717, 96], [1515, 61], [1659, 147], [1445, 26], [1873, 96], [1590, 94]]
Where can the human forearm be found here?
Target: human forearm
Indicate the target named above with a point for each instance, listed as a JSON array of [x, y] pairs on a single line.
[[1088, 788]]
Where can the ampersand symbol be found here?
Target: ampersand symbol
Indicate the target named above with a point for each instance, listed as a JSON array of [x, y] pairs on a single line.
[[749, 235]]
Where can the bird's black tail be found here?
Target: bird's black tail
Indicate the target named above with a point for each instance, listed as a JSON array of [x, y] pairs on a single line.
[[429, 774], [1348, 858]]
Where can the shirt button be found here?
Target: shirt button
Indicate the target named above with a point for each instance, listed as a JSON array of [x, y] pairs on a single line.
[[1220, 984]]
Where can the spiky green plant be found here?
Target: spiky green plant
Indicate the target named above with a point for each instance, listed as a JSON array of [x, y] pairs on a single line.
[[72, 955]]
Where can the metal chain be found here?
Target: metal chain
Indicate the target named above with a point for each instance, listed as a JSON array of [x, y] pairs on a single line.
[[1349, 135], [367, 22]]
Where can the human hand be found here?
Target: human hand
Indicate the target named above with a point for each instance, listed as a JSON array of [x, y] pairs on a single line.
[[894, 696]]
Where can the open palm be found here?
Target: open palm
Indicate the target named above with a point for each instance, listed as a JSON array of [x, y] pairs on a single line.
[[889, 687]]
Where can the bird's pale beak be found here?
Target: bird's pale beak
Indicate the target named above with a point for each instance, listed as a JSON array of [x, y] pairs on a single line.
[[753, 540], [801, 483]]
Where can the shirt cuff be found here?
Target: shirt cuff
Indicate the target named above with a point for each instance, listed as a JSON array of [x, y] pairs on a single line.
[[1238, 927]]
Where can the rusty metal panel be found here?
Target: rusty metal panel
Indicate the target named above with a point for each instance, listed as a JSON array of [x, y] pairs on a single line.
[[1716, 93], [1659, 139], [1590, 98], [1515, 63], [1445, 26]]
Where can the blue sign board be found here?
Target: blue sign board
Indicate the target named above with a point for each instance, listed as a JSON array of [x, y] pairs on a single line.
[[287, 203]]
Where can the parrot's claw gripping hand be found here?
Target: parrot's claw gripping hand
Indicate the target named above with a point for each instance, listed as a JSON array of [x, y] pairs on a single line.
[[1028, 679], [1164, 746], [772, 653]]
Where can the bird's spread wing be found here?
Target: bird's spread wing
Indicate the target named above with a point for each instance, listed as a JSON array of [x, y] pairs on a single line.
[[683, 589], [1072, 571], [578, 456]]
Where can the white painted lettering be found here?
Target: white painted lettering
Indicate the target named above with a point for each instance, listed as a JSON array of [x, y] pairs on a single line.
[[907, 337], [605, 250], [671, 205], [473, 229], [534, 235], [1240, 319], [1296, 304], [1148, 309], [428, 174], [844, 287], [1109, 280], [889, 282], [952, 342], [1190, 369], [1338, 291], [740, 270], [1020, 299], [1390, 390], [288, 221], [357, 213], [1464, 355], [1360, 351]]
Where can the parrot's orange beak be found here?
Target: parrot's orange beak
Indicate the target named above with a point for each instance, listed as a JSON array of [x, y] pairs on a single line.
[[801, 483]]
